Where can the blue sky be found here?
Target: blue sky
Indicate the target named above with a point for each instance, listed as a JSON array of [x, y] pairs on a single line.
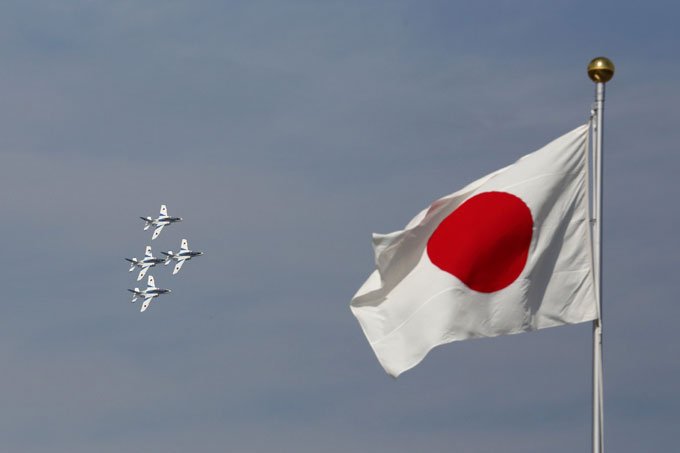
[[285, 133]]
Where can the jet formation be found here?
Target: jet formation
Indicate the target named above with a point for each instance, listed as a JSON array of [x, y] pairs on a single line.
[[149, 261]]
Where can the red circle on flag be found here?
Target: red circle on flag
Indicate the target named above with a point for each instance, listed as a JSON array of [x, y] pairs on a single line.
[[484, 242]]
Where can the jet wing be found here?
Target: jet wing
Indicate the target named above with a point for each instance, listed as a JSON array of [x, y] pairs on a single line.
[[157, 232], [142, 273], [151, 283], [146, 303], [164, 210], [185, 244], [178, 266], [147, 251], [147, 222]]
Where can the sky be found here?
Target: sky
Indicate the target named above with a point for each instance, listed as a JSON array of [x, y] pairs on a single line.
[[285, 133]]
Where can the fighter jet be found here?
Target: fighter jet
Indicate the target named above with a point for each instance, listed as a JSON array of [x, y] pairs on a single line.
[[183, 255], [148, 294], [145, 263], [162, 220]]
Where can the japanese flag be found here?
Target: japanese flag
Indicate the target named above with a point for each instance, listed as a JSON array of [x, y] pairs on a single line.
[[509, 253]]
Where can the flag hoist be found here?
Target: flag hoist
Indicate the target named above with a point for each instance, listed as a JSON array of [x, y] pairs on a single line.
[[600, 71], [515, 251]]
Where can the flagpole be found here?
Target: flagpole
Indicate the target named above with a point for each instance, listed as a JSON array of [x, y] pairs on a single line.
[[600, 71]]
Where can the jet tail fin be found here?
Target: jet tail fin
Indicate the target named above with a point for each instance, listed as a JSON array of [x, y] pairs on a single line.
[[147, 222]]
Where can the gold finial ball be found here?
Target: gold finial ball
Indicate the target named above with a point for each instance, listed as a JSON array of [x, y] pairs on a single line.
[[601, 70]]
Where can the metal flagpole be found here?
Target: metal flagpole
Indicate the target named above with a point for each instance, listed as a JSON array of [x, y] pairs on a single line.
[[600, 71]]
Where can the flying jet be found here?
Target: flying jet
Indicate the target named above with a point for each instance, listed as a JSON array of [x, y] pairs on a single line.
[[145, 263], [162, 220], [183, 255], [147, 294]]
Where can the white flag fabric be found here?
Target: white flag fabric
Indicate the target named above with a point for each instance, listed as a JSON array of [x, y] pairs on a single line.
[[509, 253]]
